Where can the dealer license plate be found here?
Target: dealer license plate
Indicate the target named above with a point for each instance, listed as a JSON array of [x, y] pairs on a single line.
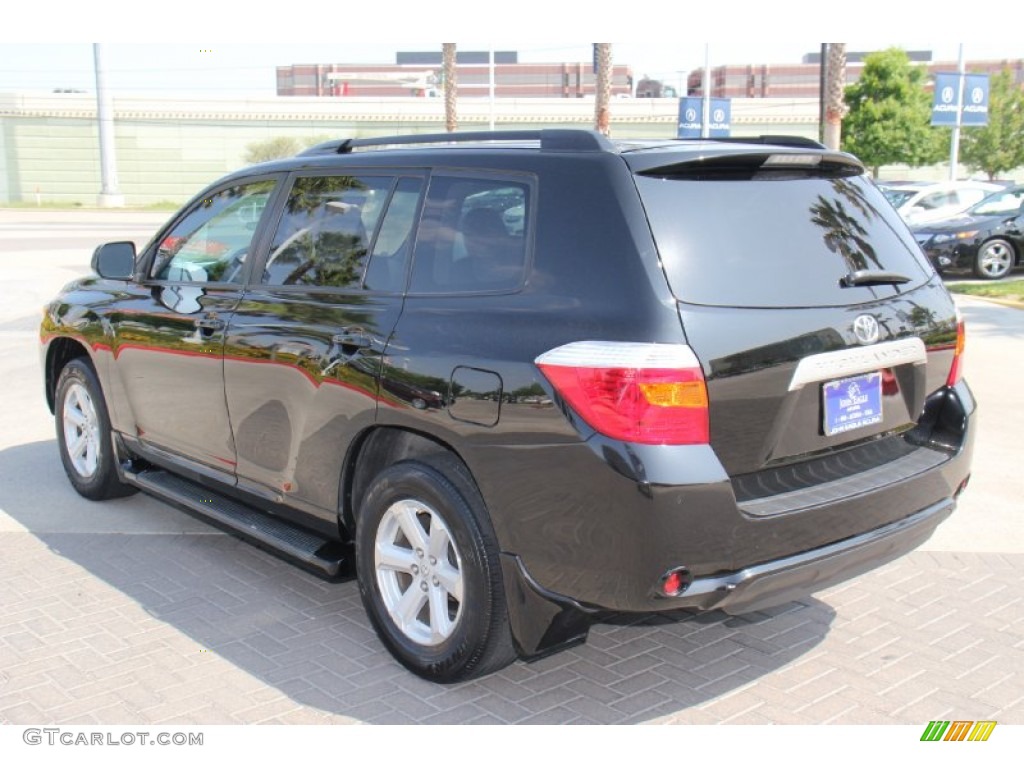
[[852, 403]]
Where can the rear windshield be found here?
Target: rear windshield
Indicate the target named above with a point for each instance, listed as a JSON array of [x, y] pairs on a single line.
[[782, 241]]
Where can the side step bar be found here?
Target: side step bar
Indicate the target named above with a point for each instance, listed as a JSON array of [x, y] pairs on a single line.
[[321, 556]]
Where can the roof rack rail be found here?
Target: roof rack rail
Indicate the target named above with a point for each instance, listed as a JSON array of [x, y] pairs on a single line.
[[780, 140], [551, 139]]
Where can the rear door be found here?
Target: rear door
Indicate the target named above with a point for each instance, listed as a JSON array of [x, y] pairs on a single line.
[[304, 349], [818, 322]]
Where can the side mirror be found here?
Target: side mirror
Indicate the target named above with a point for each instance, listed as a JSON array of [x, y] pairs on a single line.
[[114, 261]]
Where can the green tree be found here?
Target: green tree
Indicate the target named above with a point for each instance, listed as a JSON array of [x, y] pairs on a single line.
[[280, 146], [271, 149], [890, 114], [998, 146]]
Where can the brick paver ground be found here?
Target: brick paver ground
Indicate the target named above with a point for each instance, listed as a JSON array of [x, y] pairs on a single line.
[[203, 629]]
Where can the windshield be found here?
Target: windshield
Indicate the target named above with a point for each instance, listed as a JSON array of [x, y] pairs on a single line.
[[1001, 202], [898, 196], [776, 242]]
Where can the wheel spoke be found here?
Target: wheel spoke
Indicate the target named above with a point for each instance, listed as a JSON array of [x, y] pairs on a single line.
[[89, 457], [439, 541], [440, 624], [78, 447], [409, 605], [450, 579], [75, 416], [88, 410], [410, 525], [394, 557]]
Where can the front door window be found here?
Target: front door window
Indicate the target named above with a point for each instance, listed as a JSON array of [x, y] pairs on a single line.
[[211, 243]]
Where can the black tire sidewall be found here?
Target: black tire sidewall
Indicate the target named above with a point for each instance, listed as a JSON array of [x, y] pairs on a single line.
[[104, 482], [456, 657]]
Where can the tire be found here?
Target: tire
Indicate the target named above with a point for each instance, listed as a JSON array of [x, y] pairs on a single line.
[[429, 573], [84, 435], [995, 259]]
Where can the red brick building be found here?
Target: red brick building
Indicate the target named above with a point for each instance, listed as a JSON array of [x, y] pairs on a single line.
[[420, 74], [803, 80]]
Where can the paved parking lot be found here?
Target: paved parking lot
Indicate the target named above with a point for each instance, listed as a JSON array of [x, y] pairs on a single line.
[[132, 612]]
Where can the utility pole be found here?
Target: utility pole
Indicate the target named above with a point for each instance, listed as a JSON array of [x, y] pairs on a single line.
[[603, 62], [954, 144], [451, 117], [836, 108], [110, 196], [491, 84]]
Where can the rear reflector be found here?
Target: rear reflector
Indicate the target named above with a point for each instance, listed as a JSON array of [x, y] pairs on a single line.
[[956, 369], [640, 393], [675, 582]]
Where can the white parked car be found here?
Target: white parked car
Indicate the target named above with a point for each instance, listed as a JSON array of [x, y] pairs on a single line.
[[921, 202]]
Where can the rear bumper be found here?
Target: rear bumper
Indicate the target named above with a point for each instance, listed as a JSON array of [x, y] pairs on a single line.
[[779, 581], [607, 543]]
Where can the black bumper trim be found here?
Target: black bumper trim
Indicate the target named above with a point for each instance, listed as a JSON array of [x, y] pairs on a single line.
[[779, 581], [894, 471]]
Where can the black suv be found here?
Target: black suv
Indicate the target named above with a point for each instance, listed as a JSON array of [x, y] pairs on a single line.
[[515, 381]]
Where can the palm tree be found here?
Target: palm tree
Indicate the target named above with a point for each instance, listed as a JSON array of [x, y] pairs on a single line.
[[835, 108], [451, 118], [603, 54]]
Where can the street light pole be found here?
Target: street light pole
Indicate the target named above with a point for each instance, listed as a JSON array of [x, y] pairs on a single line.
[[954, 144], [110, 196]]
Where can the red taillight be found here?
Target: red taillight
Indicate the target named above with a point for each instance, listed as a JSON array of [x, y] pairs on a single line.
[[956, 369], [640, 393]]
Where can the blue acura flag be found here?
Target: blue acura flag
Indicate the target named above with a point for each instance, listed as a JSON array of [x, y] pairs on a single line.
[[691, 118], [975, 99]]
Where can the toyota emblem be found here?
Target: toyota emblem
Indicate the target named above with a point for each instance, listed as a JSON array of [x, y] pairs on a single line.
[[865, 328]]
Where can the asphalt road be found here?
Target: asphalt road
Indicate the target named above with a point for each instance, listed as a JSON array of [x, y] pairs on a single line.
[[132, 612]]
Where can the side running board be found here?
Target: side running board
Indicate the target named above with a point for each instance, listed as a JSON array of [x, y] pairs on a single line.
[[321, 556]]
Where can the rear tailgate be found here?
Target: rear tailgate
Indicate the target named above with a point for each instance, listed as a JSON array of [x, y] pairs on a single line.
[[821, 328]]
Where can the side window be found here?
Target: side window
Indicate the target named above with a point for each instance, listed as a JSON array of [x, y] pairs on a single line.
[[324, 236], [472, 236], [937, 200], [211, 243], [393, 246], [970, 196]]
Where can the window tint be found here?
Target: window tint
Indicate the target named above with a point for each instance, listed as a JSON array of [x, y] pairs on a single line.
[[212, 242], [392, 248], [324, 236], [776, 243], [472, 236]]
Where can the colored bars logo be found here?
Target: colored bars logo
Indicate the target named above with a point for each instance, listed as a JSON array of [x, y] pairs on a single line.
[[958, 730]]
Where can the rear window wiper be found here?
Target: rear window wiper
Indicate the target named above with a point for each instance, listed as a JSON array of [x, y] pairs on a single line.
[[872, 277]]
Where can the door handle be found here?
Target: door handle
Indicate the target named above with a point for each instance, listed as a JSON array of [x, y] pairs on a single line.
[[351, 340], [209, 324], [345, 345]]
